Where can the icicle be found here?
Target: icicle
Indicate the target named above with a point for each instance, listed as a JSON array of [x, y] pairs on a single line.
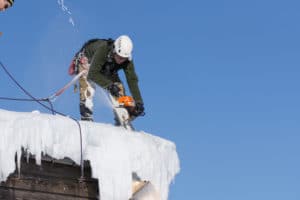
[[19, 156]]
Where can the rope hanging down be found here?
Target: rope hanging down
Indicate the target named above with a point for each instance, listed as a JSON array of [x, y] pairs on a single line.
[[50, 109]]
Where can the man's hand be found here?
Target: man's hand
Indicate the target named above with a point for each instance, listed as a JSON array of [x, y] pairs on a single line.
[[114, 90], [139, 109]]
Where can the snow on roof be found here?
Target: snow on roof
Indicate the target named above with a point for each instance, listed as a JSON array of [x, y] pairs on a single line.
[[114, 153]]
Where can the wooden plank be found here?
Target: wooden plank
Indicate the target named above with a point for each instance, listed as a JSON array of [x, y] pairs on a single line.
[[19, 194]]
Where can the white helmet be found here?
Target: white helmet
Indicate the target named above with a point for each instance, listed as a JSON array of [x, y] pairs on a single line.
[[123, 46]]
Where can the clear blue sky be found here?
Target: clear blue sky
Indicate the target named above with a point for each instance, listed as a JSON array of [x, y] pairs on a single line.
[[219, 78]]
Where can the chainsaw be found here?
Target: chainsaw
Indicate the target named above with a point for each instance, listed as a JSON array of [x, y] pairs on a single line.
[[122, 107]]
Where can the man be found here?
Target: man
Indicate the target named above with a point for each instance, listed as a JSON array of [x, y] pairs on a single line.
[[5, 4], [103, 59]]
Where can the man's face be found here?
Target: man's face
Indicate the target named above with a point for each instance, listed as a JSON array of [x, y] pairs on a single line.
[[119, 60], [4, 4]]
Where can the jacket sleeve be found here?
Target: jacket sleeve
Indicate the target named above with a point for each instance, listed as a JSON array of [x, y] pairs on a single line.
[[132, 81], [97, 61]]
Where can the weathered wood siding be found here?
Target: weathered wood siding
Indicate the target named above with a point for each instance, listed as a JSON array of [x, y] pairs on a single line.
[[53, 180]]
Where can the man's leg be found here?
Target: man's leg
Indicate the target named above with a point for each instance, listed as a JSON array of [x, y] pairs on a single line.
[[86, 96], [121, 93], [122, 90]]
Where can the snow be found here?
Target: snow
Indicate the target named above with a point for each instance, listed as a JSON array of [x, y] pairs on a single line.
[[114, 153], [66, 10]]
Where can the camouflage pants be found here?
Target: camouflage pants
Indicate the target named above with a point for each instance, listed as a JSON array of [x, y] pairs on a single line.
[[87, 90]]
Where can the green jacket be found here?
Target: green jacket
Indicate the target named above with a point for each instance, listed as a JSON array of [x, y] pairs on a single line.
[[104, 70]]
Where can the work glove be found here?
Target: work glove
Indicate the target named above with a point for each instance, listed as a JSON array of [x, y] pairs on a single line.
[[114, 90], [139, 109]]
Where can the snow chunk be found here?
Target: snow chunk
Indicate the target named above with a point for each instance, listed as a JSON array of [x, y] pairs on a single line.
[[66, 10], [114, 153]]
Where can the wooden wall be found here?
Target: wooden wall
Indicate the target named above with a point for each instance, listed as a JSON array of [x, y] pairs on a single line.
[[53, 180]]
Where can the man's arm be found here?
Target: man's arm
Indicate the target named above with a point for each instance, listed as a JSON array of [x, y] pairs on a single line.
[[132, 81]]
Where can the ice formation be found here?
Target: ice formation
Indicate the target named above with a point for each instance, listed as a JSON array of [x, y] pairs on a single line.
[[114, 153]]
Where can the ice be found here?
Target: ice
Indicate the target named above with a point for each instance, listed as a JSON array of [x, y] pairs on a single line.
[[66, 10], [114, 153]]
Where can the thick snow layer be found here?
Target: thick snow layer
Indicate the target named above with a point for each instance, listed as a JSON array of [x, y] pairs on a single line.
[[114, 153]]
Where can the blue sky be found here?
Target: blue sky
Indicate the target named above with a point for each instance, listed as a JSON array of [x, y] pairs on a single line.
[[219, 78]]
